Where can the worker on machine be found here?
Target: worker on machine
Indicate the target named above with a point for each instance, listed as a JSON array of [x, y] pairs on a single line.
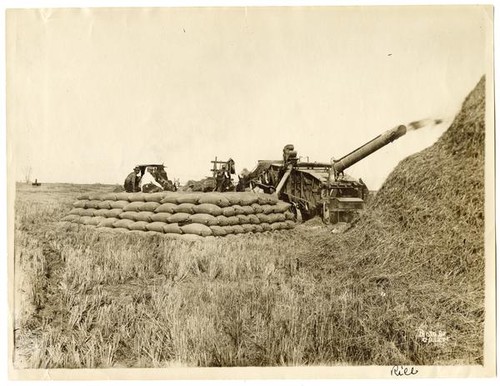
[[231, 166], [223, 180], [288, 152], [133, 181], [289, 157], [149, 183], [220, 179]]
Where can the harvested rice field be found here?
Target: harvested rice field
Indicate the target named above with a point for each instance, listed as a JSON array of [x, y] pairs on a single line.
[[404, 284]]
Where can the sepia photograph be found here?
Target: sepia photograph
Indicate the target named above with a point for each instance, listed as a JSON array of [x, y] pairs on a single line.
[[250, 192]]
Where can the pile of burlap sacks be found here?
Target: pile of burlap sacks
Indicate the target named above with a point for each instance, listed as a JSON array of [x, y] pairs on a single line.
[[203, 214]]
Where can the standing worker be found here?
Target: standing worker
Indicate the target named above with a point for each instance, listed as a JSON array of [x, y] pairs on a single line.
[[223, 180], [133, 181]]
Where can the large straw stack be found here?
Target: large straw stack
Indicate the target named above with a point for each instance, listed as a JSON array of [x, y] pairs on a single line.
[[203, 214], [416, 257]]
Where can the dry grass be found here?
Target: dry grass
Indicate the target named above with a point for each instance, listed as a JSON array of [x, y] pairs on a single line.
[[90, 298], [421, 243], [98, 298]]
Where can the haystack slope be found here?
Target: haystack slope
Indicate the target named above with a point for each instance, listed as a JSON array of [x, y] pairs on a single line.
[[436, 198], [420, 246]]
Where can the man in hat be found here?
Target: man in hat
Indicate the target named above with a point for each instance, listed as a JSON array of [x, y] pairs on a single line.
[[223, 179], [133, 180]]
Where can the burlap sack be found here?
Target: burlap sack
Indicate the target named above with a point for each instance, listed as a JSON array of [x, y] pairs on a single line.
[[166, 208], [267, 209], [265, 227], [137, 197], [119, 204], [196, 229], [101, 212], [222, 220], [155, 197], [92, 204], [276, 226], [228, 211], [87, 212], [247, 209], [160, 217], [76, 211], [238, 209], [134, 206], [248, 228], [170, 198], [124, 223], [156, 227], [94, 221], [129, 215], [228, 230], [257, 208], [264, 199], [233, 220], [185, 207], [281, 207], [107, 223], [113, 213], [243, 219], [258, 228], [109, 196], [253, 219], [211, 209], [215, 199], [144, 216], [234, 198], [85, 220], [237, 229], [138, 226], [204, 218], [149, 206], [172, 228], [263, 218], [122, 196], [218, 230], [188, 198], [79, 204], [276, 217], [179, 218], [104, 204], [248, 198]]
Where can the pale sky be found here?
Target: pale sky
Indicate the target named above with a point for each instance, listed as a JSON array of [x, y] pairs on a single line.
[[93, 93]]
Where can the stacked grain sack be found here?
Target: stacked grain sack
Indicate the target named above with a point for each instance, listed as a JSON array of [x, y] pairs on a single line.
[[203, 214]]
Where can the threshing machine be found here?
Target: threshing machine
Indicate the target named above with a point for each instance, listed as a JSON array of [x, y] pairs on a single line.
[[319, 188]]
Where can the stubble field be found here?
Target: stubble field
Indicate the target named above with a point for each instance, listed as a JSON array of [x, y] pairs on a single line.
[[91, 299], [403, 285], [88, 298]]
